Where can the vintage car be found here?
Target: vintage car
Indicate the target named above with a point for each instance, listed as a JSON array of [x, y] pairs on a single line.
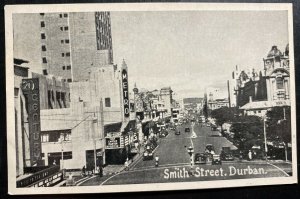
[[226, 154], [148, 155], [213, 127], [200, 158], [216, 160], [187, 130], [177, 132]]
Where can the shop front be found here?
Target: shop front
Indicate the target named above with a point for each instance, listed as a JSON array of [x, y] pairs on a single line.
[[117, 148]]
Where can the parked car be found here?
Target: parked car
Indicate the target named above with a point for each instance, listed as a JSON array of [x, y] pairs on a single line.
[[187, 130], [177, 132], [148, 155], [216, 160], [200, 158], [226, 154]]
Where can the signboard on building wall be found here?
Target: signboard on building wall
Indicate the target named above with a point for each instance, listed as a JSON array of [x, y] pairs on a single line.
[[113, 143], [30, 88], [125, 93]]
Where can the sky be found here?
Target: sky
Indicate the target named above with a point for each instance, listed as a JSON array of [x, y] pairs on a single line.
[[187, 50], [192, 50]]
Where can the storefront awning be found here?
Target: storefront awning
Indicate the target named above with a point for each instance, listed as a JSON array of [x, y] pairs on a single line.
[[130, 126], [265, 104], [114, 127]]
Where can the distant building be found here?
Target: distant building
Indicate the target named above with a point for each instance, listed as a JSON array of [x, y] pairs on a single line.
[[166, 96], [193, 103], [272, 89], [218, 103]]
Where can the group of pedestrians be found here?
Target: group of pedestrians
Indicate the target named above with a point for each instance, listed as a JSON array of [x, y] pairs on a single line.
[[99, 171]]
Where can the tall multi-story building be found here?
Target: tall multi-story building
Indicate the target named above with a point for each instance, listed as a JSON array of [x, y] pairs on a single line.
[[73, 42], [166, 96]]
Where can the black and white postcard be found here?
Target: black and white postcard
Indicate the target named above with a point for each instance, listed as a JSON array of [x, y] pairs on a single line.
[[149, 97]]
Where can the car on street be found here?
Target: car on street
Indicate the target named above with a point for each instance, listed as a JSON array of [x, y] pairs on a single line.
[[200, 158], [209, 148], [226, 154], [148, 155], [177, 132], [187, 130], [213, 128], [216, 160]]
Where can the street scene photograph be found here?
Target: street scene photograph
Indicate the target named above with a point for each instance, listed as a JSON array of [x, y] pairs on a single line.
[[119, 97]]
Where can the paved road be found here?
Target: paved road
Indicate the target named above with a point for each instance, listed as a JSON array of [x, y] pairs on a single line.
[[173, 148], [174, 162]]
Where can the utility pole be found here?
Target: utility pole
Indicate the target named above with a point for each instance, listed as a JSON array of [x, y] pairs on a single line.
[[94, 140], [265, 138]]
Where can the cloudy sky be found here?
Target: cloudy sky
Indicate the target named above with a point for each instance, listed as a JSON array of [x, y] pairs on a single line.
[[192, 50]]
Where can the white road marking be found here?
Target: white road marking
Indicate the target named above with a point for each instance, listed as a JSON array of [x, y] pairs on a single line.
[[285, 173], [111, 178], [85, 180]]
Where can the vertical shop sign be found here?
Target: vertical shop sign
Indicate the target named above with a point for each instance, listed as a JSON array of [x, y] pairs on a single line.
[[125, 93], [30, 88]]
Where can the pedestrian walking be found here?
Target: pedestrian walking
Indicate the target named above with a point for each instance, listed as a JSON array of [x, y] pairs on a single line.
[[250, 155], [83, 170], [101, 171], [241, 155], [156, 161], [126, 164]]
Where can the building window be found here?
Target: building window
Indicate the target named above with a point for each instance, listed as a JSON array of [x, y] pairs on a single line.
[[61, 28], [64, 68], [67, 54], [42, 24], [16, 92], [62, 41], [67, 41], [43, 36], [45, 72], [42, 14], [279, 83], [44, 48], [69, 80], [65, 15], [44, 60], [107, 102], [66, 28], [60, 15], [62, 54], [69, 67]]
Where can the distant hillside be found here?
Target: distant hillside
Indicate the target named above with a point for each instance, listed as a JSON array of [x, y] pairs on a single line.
[[193, 100]]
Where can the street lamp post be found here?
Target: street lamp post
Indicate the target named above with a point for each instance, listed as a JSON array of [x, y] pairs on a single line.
[[95, 152], [191, 152], [61, 140], [265, 138]]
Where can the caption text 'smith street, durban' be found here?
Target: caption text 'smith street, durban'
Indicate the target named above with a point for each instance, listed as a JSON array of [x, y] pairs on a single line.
[[119, 97]]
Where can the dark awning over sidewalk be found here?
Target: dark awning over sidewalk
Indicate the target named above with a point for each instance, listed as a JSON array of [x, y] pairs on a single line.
[[115, 127]]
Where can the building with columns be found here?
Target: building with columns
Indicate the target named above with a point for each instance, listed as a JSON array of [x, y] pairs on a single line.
[[271, 89]]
